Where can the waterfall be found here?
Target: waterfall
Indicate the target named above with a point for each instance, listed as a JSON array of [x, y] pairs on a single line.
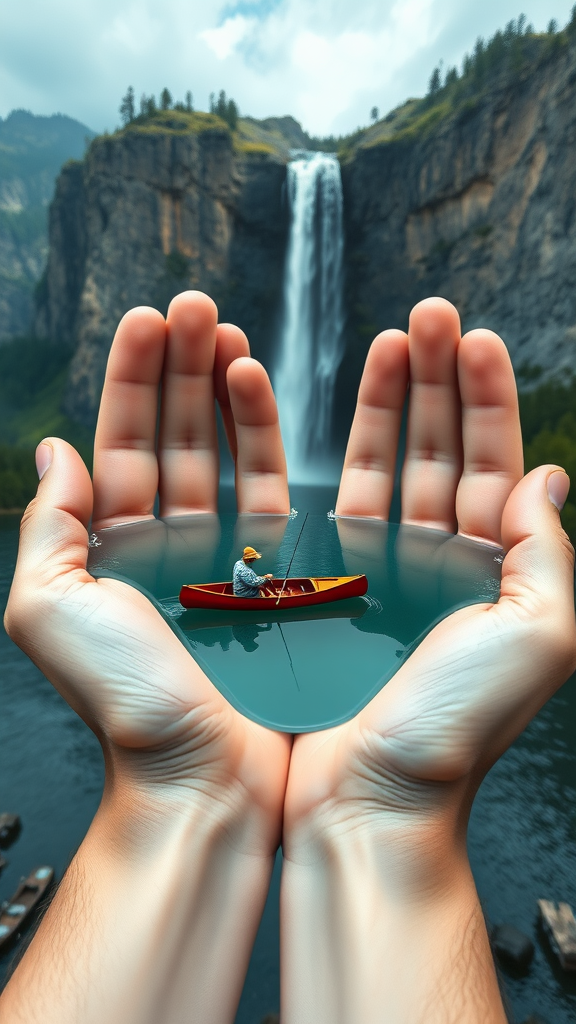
[[311, 344]]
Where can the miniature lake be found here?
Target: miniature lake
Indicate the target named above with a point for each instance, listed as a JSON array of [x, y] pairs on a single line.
[[305, 668], [523, 829]]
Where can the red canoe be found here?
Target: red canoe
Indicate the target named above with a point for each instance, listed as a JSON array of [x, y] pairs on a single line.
[[297, 593]]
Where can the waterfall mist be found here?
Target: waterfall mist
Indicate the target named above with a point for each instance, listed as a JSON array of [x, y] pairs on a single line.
[[311, 343]]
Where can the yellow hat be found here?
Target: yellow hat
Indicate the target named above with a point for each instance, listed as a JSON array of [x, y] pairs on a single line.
[[251, 553]]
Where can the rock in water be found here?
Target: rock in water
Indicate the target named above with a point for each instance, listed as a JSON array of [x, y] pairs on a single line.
[[511, 946]]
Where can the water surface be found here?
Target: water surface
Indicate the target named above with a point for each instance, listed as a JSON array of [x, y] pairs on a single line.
[[301, 669], [522, 835]]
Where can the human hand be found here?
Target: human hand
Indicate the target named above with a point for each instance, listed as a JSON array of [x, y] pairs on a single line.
[[164, 728], [389, 792]]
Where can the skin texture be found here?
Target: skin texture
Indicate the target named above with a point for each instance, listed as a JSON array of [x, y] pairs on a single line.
[[380, 917], [181, 851]]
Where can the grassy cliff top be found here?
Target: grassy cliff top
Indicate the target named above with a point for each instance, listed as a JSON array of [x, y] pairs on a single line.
[[511, 56], [250, 136], [173, 122]]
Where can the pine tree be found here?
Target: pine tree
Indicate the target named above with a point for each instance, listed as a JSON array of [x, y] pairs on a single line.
[[231, 115], [165, 99], [147, 106], [221, 106], [435, 83], [189, 106], [374, 114], [127, 109]]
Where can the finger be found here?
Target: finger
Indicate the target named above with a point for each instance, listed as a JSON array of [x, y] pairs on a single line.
[[433, 460], [540, 558], [369, 466], [125, 464], [53, 533], [261, 480], [493, 459], [364, 548], [188, 446], [231, 344]]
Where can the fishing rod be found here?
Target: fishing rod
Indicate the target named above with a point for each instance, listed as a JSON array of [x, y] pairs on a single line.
[[291, 560]]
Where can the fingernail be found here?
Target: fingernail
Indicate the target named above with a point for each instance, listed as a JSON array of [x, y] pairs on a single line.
[[558, 487], [44, 455]]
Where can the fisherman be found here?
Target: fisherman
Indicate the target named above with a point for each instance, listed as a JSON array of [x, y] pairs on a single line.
[[245, 581]]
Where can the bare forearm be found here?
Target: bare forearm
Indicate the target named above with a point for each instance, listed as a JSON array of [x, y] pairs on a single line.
[[363, 941], [154, 921]]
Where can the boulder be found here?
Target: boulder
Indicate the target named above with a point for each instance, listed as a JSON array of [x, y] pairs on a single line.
[[511, 946]]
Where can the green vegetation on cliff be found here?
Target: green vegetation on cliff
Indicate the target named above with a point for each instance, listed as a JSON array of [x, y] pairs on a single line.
[[32, 381], [176, 117], [514, 52], [549, 431], [249, 136], [177, 122]]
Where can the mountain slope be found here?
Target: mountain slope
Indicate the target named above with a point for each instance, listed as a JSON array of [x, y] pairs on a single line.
[[32, 151]]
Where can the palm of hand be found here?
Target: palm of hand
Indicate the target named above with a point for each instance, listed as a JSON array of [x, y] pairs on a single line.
[[102, 643], [480, 676]]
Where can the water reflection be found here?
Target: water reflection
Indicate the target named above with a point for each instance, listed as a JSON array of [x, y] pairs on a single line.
[[246, 635], [320, 665]]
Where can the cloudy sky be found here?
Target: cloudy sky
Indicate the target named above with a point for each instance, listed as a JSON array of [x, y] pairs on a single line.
[[327, 63]]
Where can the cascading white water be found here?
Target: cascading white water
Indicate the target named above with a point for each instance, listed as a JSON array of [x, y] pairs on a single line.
[[311, 345]]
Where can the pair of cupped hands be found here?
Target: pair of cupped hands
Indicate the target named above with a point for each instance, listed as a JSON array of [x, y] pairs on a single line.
[[423, 744]]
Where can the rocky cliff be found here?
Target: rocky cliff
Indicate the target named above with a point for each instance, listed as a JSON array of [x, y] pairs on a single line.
[[477, 204], [471, 196], [149, 212], [32, 151]]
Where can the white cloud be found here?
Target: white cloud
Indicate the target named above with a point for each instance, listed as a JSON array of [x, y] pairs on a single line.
[[224, 39], [133, 31], [334, 71], [327, 62]]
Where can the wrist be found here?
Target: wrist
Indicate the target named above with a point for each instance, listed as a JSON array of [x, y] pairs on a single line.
[[405, 856], [377, 925], [140, 810], [157, 913]]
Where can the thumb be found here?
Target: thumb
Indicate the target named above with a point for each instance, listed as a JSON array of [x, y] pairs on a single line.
[[53, 532], [538, 569]]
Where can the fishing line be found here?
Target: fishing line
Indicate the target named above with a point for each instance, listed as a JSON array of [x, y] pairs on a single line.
[[288, 653], [291, 560]]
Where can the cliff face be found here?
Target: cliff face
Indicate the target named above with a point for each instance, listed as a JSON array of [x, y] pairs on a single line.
[[147, 215], [475, 202], [32, 151], [480, 209]]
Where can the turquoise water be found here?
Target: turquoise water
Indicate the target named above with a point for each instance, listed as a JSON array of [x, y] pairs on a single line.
[[522, 836], [304, 669]]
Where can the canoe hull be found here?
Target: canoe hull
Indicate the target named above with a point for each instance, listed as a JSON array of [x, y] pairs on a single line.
[[14, 913], [315, 590]]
